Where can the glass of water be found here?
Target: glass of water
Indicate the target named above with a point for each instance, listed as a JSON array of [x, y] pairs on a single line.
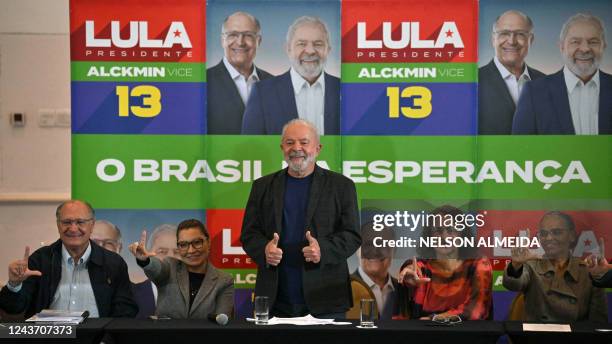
[[367, 314], [262, 308]]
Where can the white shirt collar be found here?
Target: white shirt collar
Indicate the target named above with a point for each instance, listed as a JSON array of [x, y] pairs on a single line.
[[505, 73], [371, 283], [84, 258], [298, 81], [236, 74], [571, 80]]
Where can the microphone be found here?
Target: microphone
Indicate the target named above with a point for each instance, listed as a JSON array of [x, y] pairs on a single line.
[[220, 319]]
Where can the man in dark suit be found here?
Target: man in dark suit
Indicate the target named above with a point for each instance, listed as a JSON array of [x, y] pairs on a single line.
[[230, 81], [373, 270], [300, 226], [576, 100], [501, 80], [71, 274], [305, 91]]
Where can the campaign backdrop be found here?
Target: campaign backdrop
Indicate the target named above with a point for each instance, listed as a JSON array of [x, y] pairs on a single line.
[[408, 126]]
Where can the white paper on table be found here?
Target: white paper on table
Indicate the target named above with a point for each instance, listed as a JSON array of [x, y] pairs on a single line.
[[547, 327]]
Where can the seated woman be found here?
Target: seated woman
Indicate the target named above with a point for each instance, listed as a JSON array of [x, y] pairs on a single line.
[[447, 281], [557, 287], [189, 287]]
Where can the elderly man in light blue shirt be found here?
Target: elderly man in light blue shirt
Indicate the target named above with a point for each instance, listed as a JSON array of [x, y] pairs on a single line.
[[72, 274]]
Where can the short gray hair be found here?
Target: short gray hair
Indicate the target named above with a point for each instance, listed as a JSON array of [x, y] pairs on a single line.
[[584, 17], [303, 122], [248, 15], [307, 20], [518, 13], [92, 213], [159, 231]]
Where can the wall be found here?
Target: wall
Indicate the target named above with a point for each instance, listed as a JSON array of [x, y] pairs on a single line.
[[34, 160]]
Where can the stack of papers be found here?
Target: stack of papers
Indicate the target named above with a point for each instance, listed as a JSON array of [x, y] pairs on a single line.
[[303, 321], [57, 316]]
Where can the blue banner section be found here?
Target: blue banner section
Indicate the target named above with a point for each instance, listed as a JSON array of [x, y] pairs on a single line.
[[409, 109], [136, 108]]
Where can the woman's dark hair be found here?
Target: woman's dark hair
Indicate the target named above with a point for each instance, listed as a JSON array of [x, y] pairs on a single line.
[[192, 223]]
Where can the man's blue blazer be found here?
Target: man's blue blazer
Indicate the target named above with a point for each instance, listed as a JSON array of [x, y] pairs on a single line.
[[543, 107], [271, 105]]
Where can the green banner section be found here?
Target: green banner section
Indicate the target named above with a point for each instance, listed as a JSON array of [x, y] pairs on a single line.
[[138, 71], [215, 172], [176, 171], [243, 278], [409, 72], [498, 277]]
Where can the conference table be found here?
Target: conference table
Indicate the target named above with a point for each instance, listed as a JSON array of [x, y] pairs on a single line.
[[387, 332], [240, 331]]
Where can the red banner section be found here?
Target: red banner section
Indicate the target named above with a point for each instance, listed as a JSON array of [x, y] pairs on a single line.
[[224, 227], [120, 30], [409, 31], [591, 228]]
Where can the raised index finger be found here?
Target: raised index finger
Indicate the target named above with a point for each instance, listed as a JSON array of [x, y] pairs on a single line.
[[26, 255], [602, 249], [143, 238]]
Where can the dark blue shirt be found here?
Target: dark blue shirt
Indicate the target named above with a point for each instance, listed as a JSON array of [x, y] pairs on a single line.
[[293, 240]]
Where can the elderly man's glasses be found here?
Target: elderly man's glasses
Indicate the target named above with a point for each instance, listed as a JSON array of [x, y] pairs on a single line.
[[78, 222], [231, 36], [555, 232], [518, 34], [184, 245]]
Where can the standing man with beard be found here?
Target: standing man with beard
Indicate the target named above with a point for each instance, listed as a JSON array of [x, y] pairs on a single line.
[[576, 100], [305, 91], [300, 226]]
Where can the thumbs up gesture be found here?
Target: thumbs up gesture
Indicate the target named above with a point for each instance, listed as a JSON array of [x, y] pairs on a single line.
[[312, 252], [18, 270], [273, 253], [139, 249]]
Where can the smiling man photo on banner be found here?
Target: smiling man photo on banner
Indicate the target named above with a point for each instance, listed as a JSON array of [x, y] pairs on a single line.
[[576, 100], [500, 81], [72, 274], [300, 226], [305, 91], [231, 80]]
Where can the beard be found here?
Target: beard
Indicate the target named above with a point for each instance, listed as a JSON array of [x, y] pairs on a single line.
[[299, 167], [581, 70], [309, 71]]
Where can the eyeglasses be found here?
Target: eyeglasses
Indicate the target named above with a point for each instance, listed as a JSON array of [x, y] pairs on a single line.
[[521, 35], [184, 245], [446, 320], [79, 222], [234, 35], [555, 232]]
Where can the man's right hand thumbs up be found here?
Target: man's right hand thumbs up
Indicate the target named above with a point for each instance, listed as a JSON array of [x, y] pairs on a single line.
[[273, 253]]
